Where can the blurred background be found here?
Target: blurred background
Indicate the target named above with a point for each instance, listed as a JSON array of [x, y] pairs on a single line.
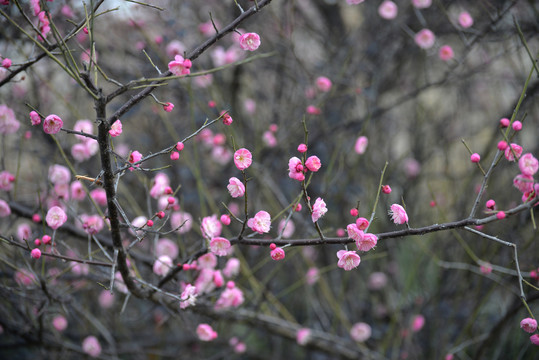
[[423, 297]]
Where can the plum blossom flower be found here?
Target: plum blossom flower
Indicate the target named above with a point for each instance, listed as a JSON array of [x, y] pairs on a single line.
[[535, 339], [529, 325], [249, 41], [211, 226], [8, 123], [219, 246], [418, 322], [360, 332], [348, 260], [286, 228], [52, 124], [303, 336], [182, 222], [175, 47], [206, 333], [524, 183], [465, 19], [323, 84], [528, 164], [243, 159], [313, 163], [59, 174], [92, 224], [230, 297], [35, 253], [261, 222], [277, 254], [313, 110], [388, 10], [512, 150], [425, 39], [232, 267], [56, 217], [168, 107], [354, 232], [35, 119], [180, 66], [162, 265], [6, 180], [446, 53], [361, 144], [188, 296], [319, 209], [116, 128], [168, 247], [91, 346], [398, 214], [59, 322], [362, 223], [235, 187], [295, 169], [366, 242]]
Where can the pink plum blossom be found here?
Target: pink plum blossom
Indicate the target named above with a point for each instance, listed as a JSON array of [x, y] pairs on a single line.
[[313, 163], [446, 53], [465, 19], [524, 183], [361, 145], [211, 226], [52, 124], [269, 139], [512, 150], [35, 253], [230, 297], [287, 231], [206, 333], [398, 214], [134, 157], [295, 169], [354, 232], [388, 10], [219, 246], [56, 217], [243, 159], [92, 224], [35, 119], [99, 196], [362, 223], [24, 231], [348, 260], [529, 325], [535, 339], [249, 41], [116, 128], [261, 222], [232, 267], [168, 247], [425, 39], [175, 47], [360, 332], [277, 254], [323, 84], [6, 180], [168, 107], [235, 187], [24, 277], [91, 346], [319, 209], [312, 276], [8, 123], [180, 66], [366, 242], [313, 110], [59, 322], [188, 296], [182, 222], [303, 336], [528, 164], [418, 322], [207, 261], [162, 265]]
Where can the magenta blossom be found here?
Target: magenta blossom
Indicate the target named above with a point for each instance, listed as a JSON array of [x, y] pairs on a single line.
[[56, 217], [319, 209], [52, 124], [250, 41], [313, 163], [180, 66], [261, 222], [219, 246], [398, 214], [235, 187], [243, 159], [295, 169], [116, 128], [348, 260]]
